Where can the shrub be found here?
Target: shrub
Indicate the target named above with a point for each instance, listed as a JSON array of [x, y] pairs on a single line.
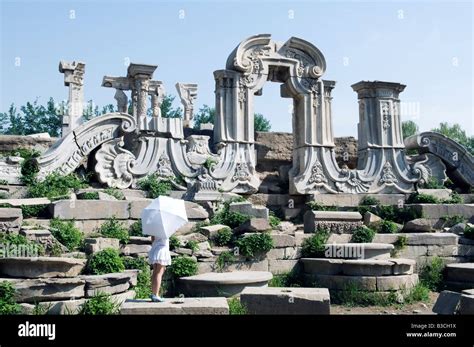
[[363, 234], [254, 244], [273, 220], [30, 211], [417, 198], [192, 245], [116, 193], [450, 221], [155, 186], [136, 228], [226, 217], [100, 304], [431, 274], [223, 237], [352, 295], [432, 183], [89, 196], [4, 195], [313, 246], [55, 186], [29, 166], [369, 201], [469, 232], [455, 199], [399, 215], [66, 233], [104, 262], [115, 229], [224, 259], [316, 206], [8, 304], [174, 242], [236, 307], [418, 293], [387, 226], [399, 245], [143, 287], [32, 248], [288, 279], [183, 267]]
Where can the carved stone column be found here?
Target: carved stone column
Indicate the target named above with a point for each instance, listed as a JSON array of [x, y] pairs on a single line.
[[74, 79], [188, 93], [157, 92]]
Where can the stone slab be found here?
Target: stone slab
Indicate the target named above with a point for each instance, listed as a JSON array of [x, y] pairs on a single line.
[[97, 244], [281, 240], [393, 283], [10, 219], [112, 283], [436, 211], [41, 267], [179, 306], [89, 209], [335, 221], [463, 272], [222, 284], [47, 289], [447, 303], [431, 239], [286, 300], [466, 305], [281, 266]]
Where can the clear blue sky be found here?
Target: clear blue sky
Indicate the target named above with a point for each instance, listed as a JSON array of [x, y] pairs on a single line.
[[427, 46]]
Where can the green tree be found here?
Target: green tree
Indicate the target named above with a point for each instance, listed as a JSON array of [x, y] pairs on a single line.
[[167, 110], [456, 133], [91, 110], [205, 114], [261, 123], [409, 128]]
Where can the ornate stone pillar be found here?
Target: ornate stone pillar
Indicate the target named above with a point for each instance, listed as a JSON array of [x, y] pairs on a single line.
[[122, 101], [187, 93], [74, 79], [157, 92]]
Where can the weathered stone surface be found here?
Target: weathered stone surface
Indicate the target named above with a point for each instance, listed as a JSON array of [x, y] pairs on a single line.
[[457, 229], [292, 253], [361, 267], [248, 209], [441, 194], [287, 227], [10, 219], [282, 240], [204, 246], [432, 239], [281, 266], [26, 201], [276, 253], [286, 300], [340, 282], [339, 238], [253, 225], [184, 251], [211, 231], [89, 209], [135, 250], [224, 283], [437, 211], [109, 283], [203, 254], [97, 244], [358, 250], [178, 306], [401, 282], [418, 225], [336, 221], [345, 199], [442, 251], [460, 272], [9, 143], [371, 218], [41, 267], [197, 237], [140, 240], [46, 289], [322, 266], [386, 238], [447, 302], [300, 236]]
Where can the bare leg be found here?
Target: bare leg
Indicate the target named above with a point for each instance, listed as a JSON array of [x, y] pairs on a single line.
[[158, 271]]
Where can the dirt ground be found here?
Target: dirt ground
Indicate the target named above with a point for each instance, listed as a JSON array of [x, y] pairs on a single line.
[[416, 308]]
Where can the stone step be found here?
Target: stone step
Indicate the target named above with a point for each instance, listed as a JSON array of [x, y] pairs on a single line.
[[272, 300], [361, 267], [436, 211], [366, 283], [224, 283], [41, 267], [358, 250], [10, 219], [112, 283], [335, 221], [178, 306]]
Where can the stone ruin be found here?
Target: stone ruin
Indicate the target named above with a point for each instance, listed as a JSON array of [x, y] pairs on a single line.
[[121, 148]]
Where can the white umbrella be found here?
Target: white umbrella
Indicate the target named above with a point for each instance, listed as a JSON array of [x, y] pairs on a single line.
[[163, 217]]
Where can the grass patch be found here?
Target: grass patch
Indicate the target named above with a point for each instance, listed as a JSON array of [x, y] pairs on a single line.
[[66, 233], [313, 246], [363, 234], [155, 185], [115, 229], [236, 307], [100, 304], [431, 274], [104, 262]]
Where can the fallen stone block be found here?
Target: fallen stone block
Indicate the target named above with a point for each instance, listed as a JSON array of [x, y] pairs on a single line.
[[447, 302], [282, 240], [285, 300], [253, 225], [211, 231], [89, 209], [135, 250], [112, 283], [281, 266], [97, 244], [47, 289], [419, 225], [178, 306], [246, 208], [10, 219], [335, 221], [466, 304], [222, 284], [41, 267]]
